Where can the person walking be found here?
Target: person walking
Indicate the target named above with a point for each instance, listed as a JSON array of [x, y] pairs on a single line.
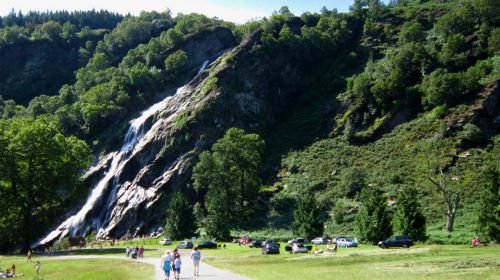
[[177, 266], [127, 251], [141, 252], [165, 264], [196, 257], [29, 256], [174, 256], [37, 267]]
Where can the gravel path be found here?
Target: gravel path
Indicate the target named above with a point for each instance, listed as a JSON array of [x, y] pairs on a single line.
[[207, 272]]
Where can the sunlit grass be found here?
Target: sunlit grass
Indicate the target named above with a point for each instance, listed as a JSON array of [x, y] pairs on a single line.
[[81, 269]]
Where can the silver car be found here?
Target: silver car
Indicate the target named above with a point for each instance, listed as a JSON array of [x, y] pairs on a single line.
[[346, 242], [319, 240]]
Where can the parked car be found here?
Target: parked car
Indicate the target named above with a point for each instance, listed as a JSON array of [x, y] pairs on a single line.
[[319, 240], [270, 248], [270, 241], [396, 241], [207, 245], [165, 241], [346, 242], [185, 245], [299, 248], [255, 244], [299, 240], [244, 240]]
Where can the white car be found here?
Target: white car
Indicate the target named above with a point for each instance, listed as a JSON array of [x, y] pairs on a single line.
[[319, 240], [165, 241], [299, 248], [346, 242]]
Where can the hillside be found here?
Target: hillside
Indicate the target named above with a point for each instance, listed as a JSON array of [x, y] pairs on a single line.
[[384, 97]]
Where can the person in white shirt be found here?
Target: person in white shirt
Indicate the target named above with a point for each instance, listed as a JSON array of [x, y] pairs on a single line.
[[196, 257], [177, 266]]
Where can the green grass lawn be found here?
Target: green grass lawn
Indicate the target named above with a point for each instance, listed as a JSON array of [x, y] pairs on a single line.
[[365, 262], [83, 269]]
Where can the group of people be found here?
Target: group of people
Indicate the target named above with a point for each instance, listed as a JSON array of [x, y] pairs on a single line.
[[12, 271], [172, 262], [135, 252], [331, 247]]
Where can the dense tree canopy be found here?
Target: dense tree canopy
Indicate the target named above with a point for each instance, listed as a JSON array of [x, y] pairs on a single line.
[[229, 175], [40, 172], [372, 220]]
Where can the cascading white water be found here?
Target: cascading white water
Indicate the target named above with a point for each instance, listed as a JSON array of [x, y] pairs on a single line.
[[92, 213]]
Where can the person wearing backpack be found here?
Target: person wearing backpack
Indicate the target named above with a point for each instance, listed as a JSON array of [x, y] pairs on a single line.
[[196, 257], [165, 263]]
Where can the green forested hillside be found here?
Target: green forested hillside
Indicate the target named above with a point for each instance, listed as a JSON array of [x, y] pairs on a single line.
[[40, 51], [386, 97]]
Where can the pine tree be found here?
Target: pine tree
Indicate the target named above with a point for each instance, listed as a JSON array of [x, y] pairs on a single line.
[[219, 213], [372, 221], [307, 220], [180, 219], [408, 218], [489, 207]]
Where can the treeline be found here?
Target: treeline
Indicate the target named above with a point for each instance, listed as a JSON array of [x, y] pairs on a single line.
[[39, 52], [93, 19]]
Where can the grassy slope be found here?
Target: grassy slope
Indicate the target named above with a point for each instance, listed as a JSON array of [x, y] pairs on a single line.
[[402, 157]]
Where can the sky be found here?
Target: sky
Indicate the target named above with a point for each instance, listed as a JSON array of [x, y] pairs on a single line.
[[238, 11]]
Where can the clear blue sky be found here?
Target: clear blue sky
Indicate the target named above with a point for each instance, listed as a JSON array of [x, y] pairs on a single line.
[[238, 11]]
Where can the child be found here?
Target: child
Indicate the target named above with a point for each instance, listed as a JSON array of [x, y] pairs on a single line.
[[37, 267], [177, 265]]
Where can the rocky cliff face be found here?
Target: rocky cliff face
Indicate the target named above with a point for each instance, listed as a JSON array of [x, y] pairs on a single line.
[[163, 144]]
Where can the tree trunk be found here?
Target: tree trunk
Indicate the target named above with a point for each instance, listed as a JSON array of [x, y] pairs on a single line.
[[450, 219], [451, 199]]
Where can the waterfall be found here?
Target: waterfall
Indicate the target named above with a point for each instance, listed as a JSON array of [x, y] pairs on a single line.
[[103, 196]]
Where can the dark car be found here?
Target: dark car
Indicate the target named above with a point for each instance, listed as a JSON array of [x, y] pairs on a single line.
[[207, 245], [270, 242], [185, 245], [270, 248], [298, 240], [255, 244], [396, 241]]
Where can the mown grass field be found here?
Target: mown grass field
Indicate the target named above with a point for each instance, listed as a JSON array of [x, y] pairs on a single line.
[[364, 262], [82, 269]]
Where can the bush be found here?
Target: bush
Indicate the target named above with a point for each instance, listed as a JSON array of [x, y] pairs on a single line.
[[278, 234], [61, 244]]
